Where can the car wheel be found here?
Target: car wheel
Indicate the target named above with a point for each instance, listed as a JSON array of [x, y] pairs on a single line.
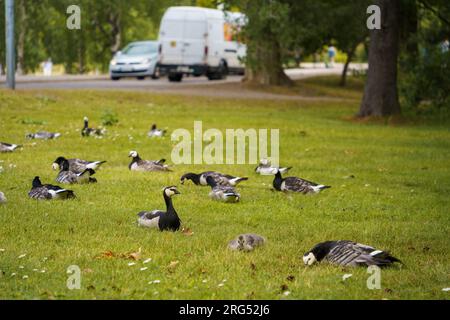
[[156, 74], [115, 78], [175, 77], [141, 78]]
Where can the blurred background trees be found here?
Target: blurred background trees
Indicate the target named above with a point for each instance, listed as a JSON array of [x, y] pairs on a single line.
[[279, 33]]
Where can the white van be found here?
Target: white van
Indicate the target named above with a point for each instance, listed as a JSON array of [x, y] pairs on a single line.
[[200, 41]]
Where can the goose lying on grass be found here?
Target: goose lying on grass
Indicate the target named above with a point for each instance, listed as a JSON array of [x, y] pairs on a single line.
[[163, 220], [2, 198], [348, 253], [295, 184], [77, 165], [222, 193], [43, 135], [67, 176], [137, 164], [219, 178], [41, 191], [155, 132], [8, 147], [265, 168], [86, 131], [246, 242]]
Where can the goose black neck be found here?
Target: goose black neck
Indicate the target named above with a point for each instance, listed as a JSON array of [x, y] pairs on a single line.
[[36, 182], [169, 204], [65, 165], [322, 249], [195, 178], [277, 180], [86, 124]]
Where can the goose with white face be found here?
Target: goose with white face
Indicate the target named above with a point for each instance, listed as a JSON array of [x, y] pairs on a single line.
[[133, 154], [171, 191], [309, 259]]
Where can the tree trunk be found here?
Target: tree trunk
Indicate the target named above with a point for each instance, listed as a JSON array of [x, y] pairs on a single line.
[[350, 55], [116, 32], [380, 92], [22, 19], [266, 64]]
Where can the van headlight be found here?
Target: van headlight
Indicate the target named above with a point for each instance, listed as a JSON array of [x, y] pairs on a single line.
[[113, 62]]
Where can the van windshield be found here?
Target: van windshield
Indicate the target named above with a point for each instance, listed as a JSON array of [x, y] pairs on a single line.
[[140, 49]]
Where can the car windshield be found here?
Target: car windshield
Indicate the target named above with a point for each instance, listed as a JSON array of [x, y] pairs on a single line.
[[135, 49]]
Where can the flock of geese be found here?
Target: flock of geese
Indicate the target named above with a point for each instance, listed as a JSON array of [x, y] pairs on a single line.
[[223, 188]]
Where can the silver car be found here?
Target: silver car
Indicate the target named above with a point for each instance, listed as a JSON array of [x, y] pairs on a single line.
[[138, 59]]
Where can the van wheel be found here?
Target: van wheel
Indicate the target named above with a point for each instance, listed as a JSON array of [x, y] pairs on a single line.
[[175, 77], [221, 73]]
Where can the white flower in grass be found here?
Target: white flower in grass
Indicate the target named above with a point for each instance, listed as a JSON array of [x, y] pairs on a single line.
[[154, 281], [346, 276], [147, 260], [21, 267], [43, 271], [22, 256], [2, 250], [13, 274], [446, 289], [286, 293], [131, 264], [205, 281], [25, 277], [220, 284], [144, 268]]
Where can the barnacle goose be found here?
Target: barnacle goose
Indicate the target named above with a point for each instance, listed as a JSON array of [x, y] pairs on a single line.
[[222, 193], [221, 179], [155, 132], [246, 242], [86, 131], [167, 220], [47, 191], [265, 168], [137, 164], [348, 253], [8, 147], [296, 184], [76, 165], [45, 135], [2, 198], [67, 176]]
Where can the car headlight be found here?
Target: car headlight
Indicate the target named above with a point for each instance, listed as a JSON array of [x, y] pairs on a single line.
[[113, 62], [146, 61]]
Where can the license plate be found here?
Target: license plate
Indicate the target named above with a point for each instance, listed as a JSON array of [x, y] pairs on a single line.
[[183, 69], [126, 69]]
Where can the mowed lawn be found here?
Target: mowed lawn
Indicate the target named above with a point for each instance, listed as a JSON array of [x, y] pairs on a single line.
[[390, 189]]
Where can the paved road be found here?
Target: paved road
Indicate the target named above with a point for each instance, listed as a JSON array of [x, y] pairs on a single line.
[[189, 85]]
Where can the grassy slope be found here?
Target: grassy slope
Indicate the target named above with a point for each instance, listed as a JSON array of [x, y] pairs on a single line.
[[398, 201]]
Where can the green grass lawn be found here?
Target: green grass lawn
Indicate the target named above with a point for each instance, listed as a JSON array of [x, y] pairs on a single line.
[[398, 200]]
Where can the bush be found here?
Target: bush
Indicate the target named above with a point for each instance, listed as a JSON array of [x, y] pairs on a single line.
[[109, 118]]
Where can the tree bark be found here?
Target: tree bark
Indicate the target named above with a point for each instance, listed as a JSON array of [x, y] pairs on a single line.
[[22, 19], [350, 55], [380, 92], [267, 68], [116, 32]]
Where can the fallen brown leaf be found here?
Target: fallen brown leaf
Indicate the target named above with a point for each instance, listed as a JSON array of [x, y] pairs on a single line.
[[172, 265], [135, 255], [187, 231]]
